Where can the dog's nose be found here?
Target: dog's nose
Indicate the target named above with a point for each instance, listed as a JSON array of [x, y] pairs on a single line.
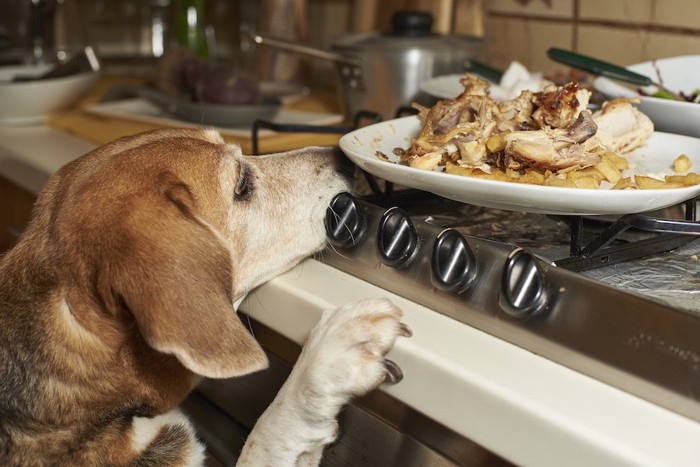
[[346, 166], [339, 161]]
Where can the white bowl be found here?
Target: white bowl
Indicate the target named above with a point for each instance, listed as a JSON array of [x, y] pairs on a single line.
[[678, 74], [29, 102]]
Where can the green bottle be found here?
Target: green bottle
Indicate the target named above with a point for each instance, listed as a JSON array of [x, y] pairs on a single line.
[[189, 27]]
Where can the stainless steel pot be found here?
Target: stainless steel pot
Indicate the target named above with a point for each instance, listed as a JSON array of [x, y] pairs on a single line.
[[382, 72]]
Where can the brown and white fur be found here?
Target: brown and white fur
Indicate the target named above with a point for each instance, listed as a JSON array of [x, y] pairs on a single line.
[[119, 297]]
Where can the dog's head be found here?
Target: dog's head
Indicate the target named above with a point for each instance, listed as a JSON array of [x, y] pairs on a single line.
[[164, 231]]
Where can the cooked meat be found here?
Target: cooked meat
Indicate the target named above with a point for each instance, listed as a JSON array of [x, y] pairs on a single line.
[[549, 130], [583, 128], [621, 126], [551, 149], [559, 107]]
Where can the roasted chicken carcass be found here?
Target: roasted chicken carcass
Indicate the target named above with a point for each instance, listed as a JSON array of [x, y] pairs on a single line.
[[550, 130], [621, 127]]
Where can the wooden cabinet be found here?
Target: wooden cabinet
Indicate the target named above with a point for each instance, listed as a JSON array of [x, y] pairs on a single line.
[[15, 211]]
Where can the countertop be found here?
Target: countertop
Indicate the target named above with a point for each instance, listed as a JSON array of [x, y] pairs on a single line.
[[523, 407]]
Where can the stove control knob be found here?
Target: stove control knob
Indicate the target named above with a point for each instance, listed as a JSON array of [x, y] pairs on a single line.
[[453, 264], [397, 239], [345, 222], [523, 287]]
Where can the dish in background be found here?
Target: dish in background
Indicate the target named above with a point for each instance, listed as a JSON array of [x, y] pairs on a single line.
[[272, 95], [654, 159], [515, 79], [29, 102], [204, 113], [143, 111], [668, 115]]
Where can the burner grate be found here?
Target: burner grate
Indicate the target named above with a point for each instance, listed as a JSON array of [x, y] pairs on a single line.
[[597, 252]]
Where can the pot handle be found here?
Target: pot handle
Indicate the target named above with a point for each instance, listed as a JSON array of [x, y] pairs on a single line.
[[485, 71], [302, 49]]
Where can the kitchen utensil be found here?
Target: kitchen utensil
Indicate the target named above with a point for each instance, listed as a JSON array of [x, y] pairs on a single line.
[[28, 31], [656, 158], [199, 112], [667, 114], [84, 61], [609, 70], [382, 72], [485, 71]]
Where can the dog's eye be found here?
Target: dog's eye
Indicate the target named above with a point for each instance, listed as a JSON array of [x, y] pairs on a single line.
[[244, 187]]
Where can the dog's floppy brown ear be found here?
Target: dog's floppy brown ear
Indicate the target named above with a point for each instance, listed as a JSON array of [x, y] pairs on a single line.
[[174, 275]]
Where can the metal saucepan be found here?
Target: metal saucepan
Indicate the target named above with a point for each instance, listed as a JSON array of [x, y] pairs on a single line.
[[382, 72]]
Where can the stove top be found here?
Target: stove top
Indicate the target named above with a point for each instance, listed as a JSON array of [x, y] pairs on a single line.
[[629, 316], [632, 325], [668, 271]]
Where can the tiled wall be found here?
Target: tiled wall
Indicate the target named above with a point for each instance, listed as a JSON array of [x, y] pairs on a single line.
[[622, 31]]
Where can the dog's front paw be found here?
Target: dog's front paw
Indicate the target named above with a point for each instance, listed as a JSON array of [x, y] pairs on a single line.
[[344, 355]]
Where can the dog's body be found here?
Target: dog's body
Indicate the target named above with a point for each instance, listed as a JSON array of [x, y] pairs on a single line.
[[119, 296]]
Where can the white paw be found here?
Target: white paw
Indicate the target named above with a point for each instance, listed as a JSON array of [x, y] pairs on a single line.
[[344, 355], [343, 358]]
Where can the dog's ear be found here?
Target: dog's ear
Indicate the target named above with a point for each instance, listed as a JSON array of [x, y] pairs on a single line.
[[175, 277]]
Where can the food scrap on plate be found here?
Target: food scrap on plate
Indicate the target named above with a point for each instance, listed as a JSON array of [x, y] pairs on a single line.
[[547, 137]]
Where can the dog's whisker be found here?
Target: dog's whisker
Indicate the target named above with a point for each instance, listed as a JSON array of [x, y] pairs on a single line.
[[337, 251], [250, 325], [259, 302], [319, 254], [352, 235], [349, 231]]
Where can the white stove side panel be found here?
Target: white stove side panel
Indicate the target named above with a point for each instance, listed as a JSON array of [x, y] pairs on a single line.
[[523, 407]]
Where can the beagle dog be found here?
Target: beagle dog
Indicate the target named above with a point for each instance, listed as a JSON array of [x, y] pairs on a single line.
[[120, 295]]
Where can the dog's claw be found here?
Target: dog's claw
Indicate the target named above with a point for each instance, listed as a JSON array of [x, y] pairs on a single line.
[[404, 330], [393, 372]]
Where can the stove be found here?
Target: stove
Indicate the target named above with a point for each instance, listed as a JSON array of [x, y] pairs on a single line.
[[594, 322], [538, 339]]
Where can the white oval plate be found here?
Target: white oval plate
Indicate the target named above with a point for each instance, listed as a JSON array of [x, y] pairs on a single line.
[[654, 159], [443, 87], [667, 115]]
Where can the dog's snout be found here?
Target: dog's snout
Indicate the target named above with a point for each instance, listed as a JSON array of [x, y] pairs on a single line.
[[336, 159]]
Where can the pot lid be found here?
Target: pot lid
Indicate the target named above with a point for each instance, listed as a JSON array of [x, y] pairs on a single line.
[[409, 30]]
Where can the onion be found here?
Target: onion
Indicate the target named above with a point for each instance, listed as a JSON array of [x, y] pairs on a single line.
[[183, 74], [225, 84]]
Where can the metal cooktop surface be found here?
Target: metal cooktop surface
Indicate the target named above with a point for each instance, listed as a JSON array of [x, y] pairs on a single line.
[[633, 325], [672, 277]]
